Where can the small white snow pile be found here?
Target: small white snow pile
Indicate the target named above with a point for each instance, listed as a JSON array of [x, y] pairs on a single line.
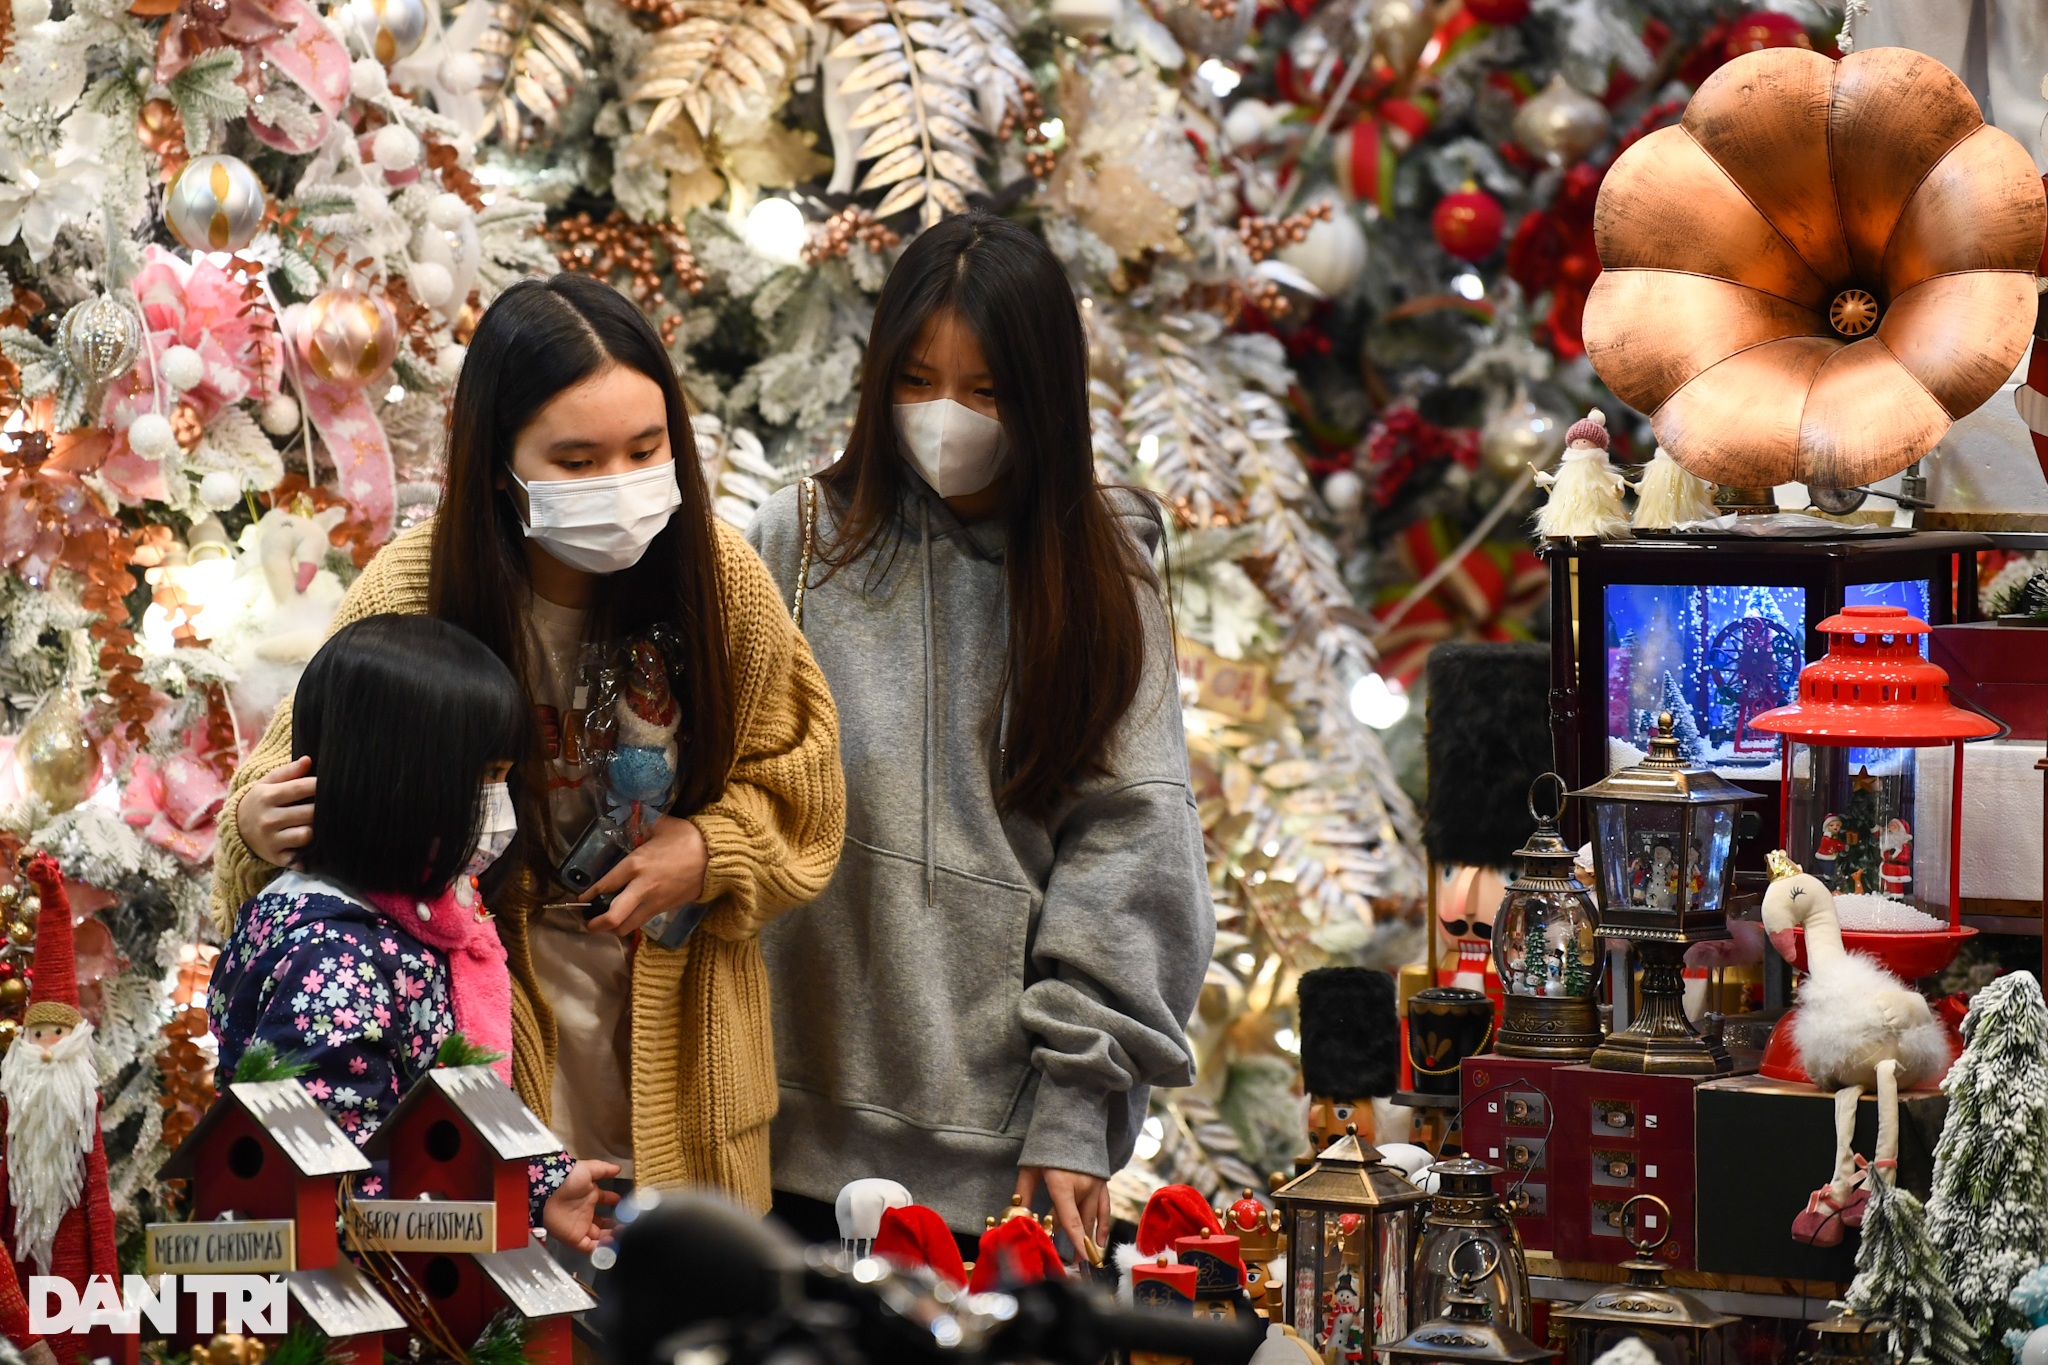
[[1868, 914]]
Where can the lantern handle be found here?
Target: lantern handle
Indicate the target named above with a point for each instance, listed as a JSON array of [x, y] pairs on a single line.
[[1646, 1248], [1489, 1261], [1554, 816]]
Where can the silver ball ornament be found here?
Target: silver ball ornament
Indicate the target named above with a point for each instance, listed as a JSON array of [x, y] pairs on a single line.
[[215, 204], [1344, 491], [1561, 124], [390, 29], [101, 339], [1519, 435]]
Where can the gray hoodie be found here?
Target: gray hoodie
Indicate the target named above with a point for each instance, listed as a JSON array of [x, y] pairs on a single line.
[[976, 991]]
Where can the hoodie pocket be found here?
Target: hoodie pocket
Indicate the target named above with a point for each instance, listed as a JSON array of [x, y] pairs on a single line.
[[884, 1002]]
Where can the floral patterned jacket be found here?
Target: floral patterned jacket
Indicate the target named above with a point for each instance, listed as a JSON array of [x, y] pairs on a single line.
[[331, 983]]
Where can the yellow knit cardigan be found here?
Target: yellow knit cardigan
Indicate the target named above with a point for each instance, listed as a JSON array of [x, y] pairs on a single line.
[[703, 1060]]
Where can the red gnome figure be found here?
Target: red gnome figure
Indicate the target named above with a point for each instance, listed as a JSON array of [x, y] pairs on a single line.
[[55, 1215]]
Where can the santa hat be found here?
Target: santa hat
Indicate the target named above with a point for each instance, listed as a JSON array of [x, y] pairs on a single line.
[[1015, 1252], [53, 996], [1590, 430], [1350, 1033], [916, 1236], [1173, 1212]]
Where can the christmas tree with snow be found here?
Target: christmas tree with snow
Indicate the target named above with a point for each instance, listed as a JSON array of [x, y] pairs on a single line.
[[1684, 727], [1988, 1214]]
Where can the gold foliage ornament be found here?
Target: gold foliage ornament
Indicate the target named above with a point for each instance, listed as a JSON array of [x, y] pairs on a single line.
[[718, 56], [1817, 272], [932, 75], [531, 54]]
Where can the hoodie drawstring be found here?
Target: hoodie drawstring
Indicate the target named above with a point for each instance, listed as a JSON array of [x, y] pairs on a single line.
[[931, 832]]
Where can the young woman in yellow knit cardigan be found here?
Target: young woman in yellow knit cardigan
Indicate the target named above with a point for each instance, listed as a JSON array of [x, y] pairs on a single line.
[[573, 511]]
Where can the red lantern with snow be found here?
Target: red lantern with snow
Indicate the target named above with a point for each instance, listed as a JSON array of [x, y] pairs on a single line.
[[1872, 799]]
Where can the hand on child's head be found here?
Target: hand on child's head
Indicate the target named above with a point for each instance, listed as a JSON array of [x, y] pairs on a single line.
[[275, 817]]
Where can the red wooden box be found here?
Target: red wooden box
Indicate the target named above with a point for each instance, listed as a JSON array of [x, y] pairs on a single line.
[[2003, 669], [1622, 1135], [1512, 1120]]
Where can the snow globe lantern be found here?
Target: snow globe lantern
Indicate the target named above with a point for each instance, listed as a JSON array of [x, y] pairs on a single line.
[[1871, 794], [1546, 946], [1352, 1222], [1664, 840], [1678, 1328], [1469, 1329]]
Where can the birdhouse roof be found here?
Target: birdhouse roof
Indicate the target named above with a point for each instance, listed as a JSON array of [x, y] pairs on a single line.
[[341, 1303], [533, 1282], [289, 1117], [489, 1106]]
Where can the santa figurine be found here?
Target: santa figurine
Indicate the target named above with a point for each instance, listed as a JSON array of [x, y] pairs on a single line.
[[1585, 490], [1896, 869], [55, 1214]]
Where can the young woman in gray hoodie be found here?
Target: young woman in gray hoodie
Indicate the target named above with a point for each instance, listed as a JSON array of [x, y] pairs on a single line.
[[1005, 961]]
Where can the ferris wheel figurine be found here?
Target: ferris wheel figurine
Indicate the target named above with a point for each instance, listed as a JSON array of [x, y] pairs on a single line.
[[1754, 664]]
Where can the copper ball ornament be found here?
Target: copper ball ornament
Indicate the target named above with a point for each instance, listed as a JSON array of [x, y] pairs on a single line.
[[215, 204], [1819, 271], [348, 336], [101, 338]]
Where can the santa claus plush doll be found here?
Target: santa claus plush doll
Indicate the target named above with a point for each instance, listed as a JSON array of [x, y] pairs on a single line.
[[55, 1215]]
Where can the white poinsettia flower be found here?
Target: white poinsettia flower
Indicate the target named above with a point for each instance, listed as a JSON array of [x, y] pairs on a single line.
[[42, 194]]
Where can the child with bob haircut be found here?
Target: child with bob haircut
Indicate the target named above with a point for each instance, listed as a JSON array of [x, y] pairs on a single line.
[[362, 959]]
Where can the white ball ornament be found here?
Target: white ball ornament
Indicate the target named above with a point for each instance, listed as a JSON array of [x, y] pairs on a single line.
[[1332, 256], [432, 284], [2034, 1351], [1345, 492], [183, 368], [367, 79], [151, 437], [395, 148], [461, 73], [29, 13], [448, 361], [279, 416], [447, 212], [220, 490], [1247, 122]]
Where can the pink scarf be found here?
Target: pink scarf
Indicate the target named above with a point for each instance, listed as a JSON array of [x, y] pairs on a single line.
[[479, 982]]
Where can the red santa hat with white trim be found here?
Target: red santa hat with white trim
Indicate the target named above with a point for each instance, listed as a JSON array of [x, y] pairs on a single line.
[[915, 1236], [1173, 1212]]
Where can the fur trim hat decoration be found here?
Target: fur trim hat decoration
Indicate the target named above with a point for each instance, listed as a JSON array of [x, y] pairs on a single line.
[[1350, 1033]]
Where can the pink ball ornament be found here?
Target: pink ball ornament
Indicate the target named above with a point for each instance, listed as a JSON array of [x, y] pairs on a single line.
[[348, 337]]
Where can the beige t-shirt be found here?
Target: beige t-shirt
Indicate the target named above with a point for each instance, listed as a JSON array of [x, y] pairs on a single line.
[[586, 978]]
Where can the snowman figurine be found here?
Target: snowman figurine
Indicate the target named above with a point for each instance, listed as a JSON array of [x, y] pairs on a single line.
[[1585, 490]]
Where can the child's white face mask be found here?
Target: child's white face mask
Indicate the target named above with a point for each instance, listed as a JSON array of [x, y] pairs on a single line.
[[500, 824]]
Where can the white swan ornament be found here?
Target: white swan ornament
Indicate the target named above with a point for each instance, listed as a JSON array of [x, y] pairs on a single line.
[[1858, 1026]]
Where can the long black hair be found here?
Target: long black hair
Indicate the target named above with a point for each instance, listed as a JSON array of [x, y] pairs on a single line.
[[537, 339], [1077, 640], [402, 716]]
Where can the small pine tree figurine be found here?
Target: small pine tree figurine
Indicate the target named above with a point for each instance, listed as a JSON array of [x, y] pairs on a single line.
[[1856, 865], [1988, 1215], [1535, 975], [1685, 726], [1899, 1281]]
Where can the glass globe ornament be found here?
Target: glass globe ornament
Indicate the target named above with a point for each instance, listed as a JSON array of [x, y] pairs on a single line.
[[215, 204], [1546, 948]]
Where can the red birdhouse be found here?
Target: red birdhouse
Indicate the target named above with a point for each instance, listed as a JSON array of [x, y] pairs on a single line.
[[461, 1137], [264, 1166]]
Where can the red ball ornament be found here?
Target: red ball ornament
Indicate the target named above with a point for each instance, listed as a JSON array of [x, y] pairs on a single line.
[[1498, 11], [1468, 223], [1761, 29]]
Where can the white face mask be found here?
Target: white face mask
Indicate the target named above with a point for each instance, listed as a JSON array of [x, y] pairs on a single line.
[[601, 525], [500, 822], [955, 448]]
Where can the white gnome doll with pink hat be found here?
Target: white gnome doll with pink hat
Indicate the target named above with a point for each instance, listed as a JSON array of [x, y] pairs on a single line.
[[1585, 490]]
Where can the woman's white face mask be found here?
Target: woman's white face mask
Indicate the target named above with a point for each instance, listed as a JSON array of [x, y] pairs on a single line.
[[956, 449], [499, 824], [604, 524]]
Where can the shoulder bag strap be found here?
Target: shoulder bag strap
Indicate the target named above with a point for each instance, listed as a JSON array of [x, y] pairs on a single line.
[[807, 514]]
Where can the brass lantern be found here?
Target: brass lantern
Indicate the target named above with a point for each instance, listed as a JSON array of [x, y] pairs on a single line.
[[1464, 1212], [1351, 1224], [1468, 1329], [1664, 840], [1678, 1328], [1546, 947]]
